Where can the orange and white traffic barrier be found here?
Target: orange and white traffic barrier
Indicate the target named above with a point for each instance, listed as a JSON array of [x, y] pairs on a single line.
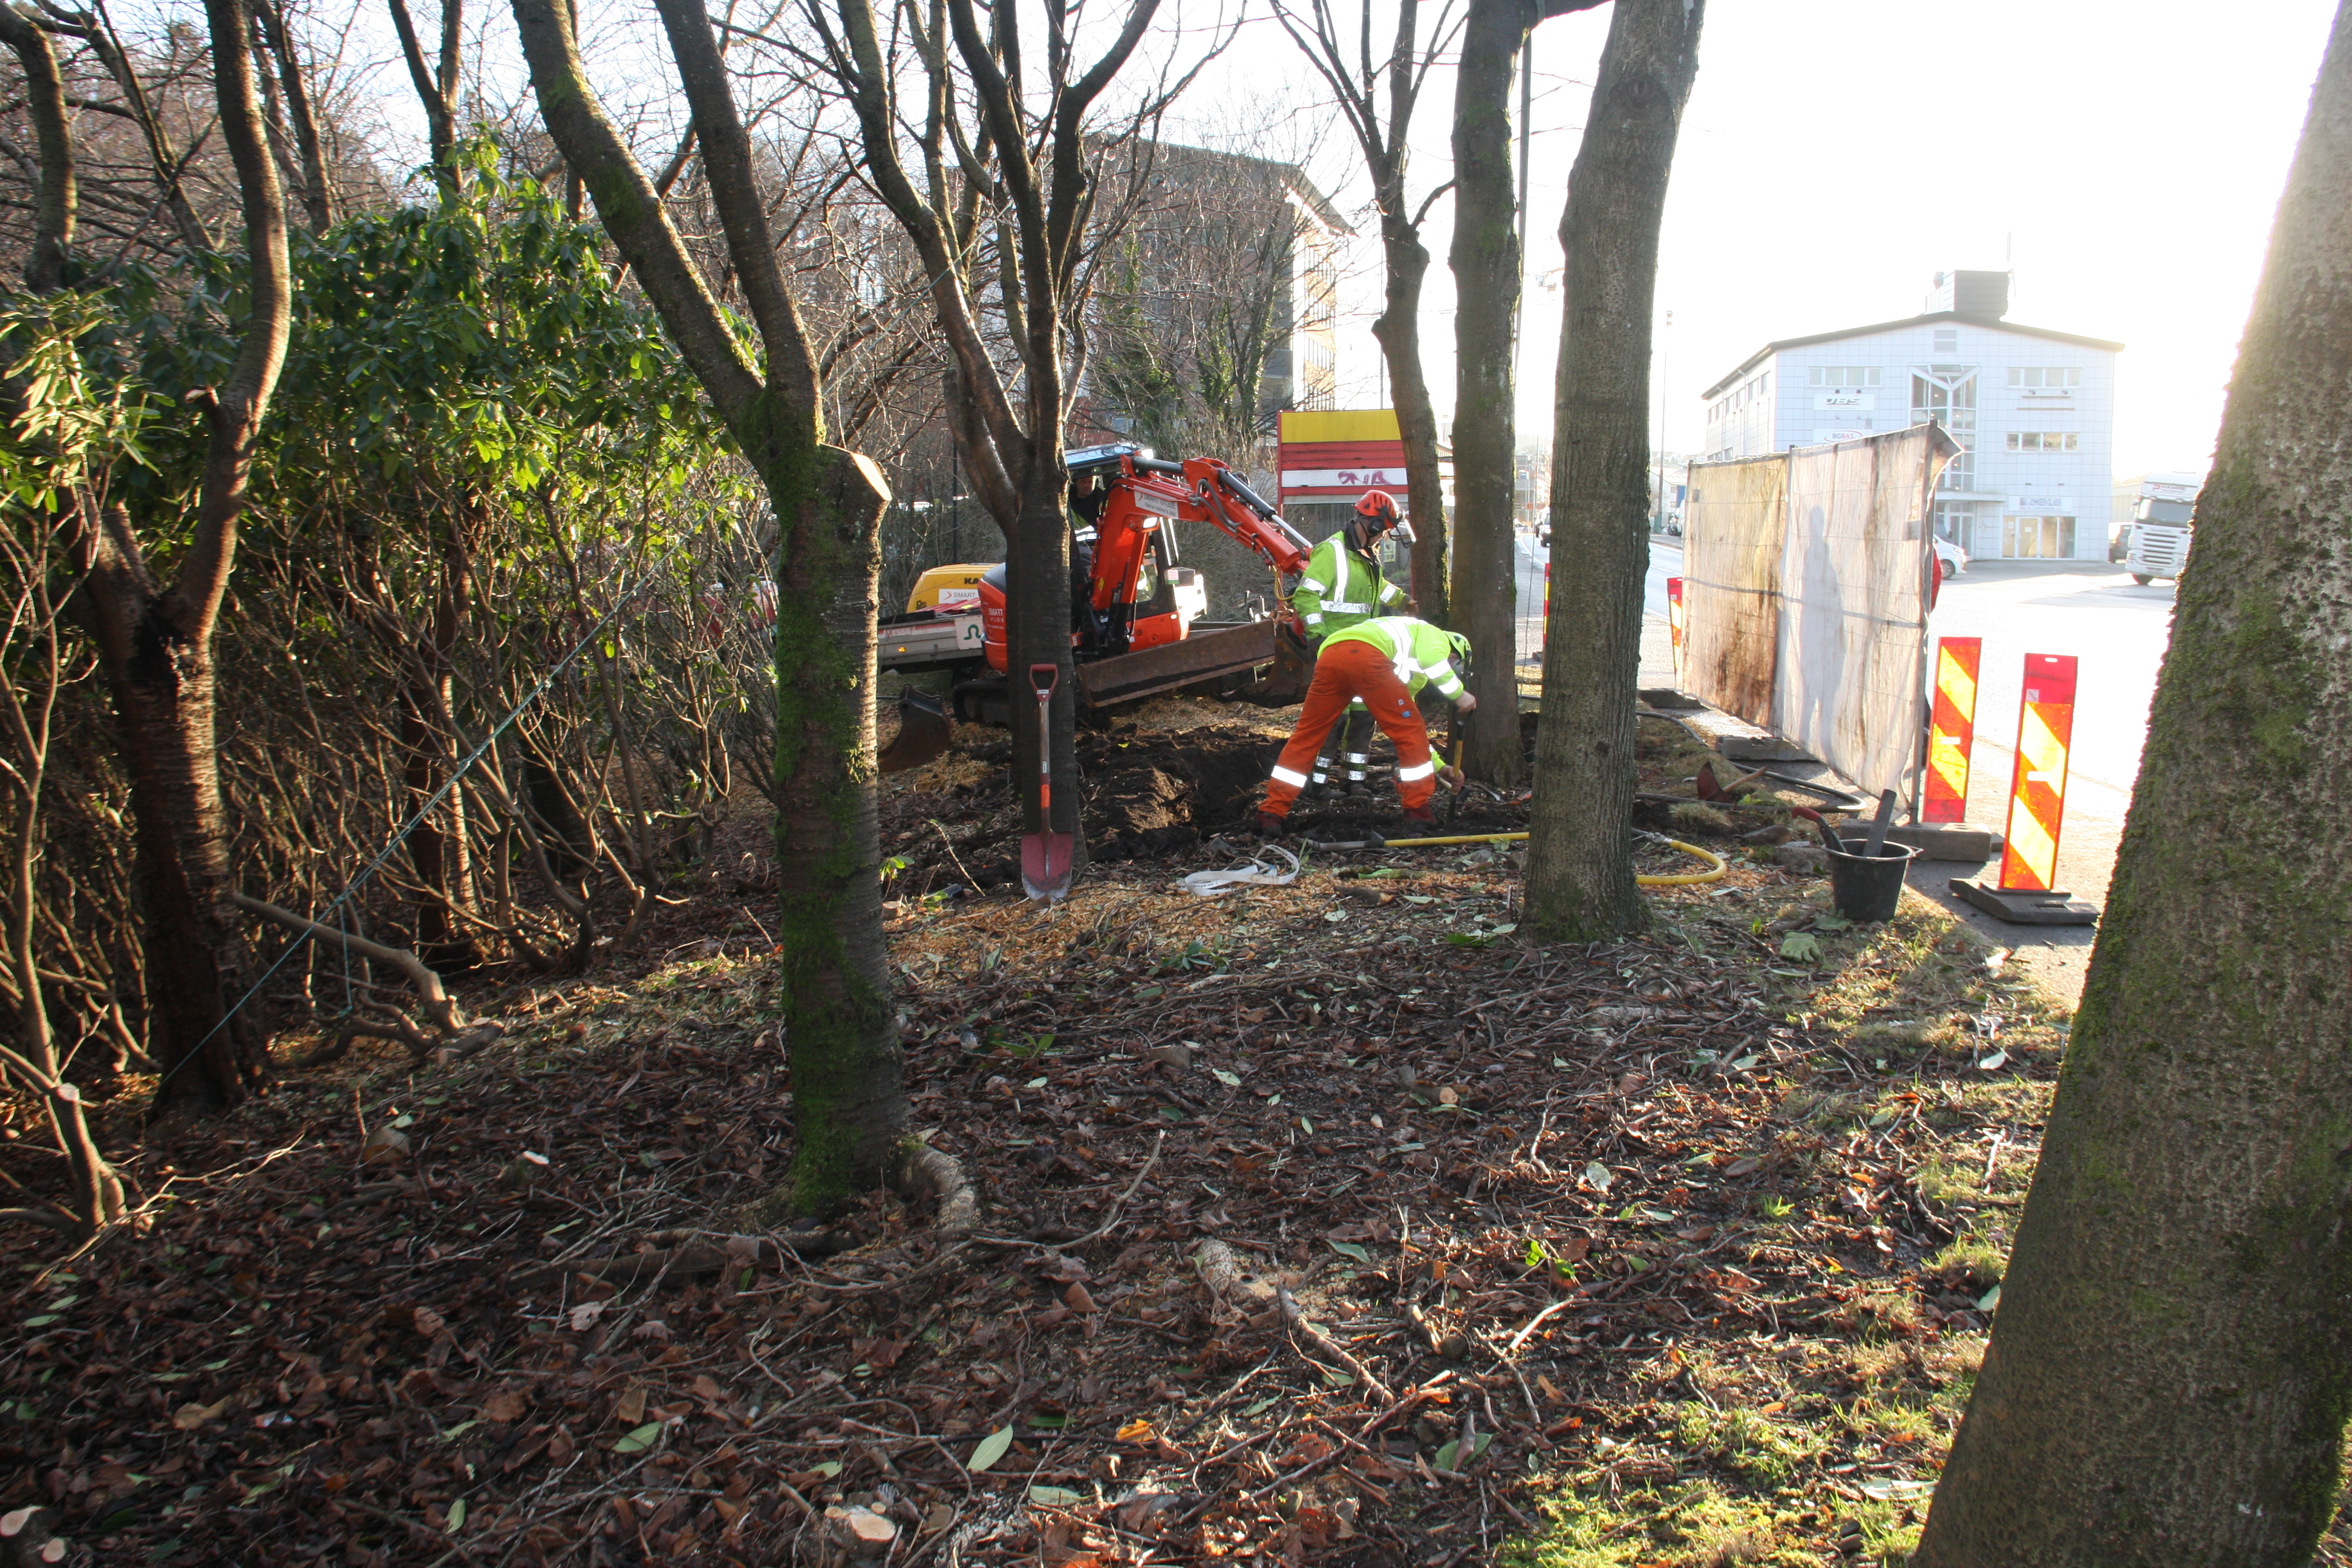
[[1674, 618], [1952, 731], [2037, 790]]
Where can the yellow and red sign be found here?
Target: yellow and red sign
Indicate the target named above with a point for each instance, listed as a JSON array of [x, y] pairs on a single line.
[[2037, 790], [1953, 729], [1338, 454]]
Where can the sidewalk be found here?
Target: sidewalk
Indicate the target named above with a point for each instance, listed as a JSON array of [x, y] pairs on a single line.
[[2056, 957]]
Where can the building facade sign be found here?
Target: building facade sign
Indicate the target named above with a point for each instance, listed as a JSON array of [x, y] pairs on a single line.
[[2058, 505]]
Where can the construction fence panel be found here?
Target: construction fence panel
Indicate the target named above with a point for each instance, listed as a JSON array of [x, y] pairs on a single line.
[[1805, 588], [1732, 526]]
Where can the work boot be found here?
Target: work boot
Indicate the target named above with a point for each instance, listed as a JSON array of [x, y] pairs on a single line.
[[1267, 825], [1420, 816]]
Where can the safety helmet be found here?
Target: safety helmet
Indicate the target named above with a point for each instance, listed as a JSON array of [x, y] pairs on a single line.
[[1376, 514], [1461, 647]]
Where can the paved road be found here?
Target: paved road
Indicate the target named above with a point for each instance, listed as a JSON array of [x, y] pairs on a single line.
[[1666, 562]]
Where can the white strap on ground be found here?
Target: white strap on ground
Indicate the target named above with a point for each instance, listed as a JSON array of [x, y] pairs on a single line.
[[1258, 873]]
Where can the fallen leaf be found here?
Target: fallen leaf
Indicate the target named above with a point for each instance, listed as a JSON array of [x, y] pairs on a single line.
[[638, 1440], [1079, 1300], [586, 1313], [990, 1450], [188, 1417], [630, 1408], [506, 1407], [1597, 1176]]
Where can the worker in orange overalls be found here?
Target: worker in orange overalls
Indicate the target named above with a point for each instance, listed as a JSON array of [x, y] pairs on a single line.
[[1385, 662]]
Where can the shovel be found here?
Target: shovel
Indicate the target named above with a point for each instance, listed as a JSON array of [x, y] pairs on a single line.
[[923, 732], [1046, 855]]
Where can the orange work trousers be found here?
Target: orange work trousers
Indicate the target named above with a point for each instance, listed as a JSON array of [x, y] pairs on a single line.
[[1343, 672]]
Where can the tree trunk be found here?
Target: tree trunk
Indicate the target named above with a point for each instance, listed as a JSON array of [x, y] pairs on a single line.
[[1398, 330], [849, 1106], [1037, 631], [1484, 257], [161, 684], [2171, 1367], [1580, 867], [55, 203]]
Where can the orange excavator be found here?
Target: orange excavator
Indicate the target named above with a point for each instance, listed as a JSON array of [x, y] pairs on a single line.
[[1138, 616]]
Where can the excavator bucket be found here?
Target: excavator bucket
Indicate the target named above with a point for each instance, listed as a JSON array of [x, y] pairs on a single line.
[[923, 732]]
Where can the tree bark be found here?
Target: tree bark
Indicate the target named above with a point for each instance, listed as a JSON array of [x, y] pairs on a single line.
[[2171, 1367], [155, 650], [55, 200], [849, 1100], [1397, 328], [318, 188], [1580, 882], [1484, 257]]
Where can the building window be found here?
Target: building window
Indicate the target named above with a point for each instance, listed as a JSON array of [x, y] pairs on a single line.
[[2046, 375], [1946, 394], [2043, 441], [1843, 375], [2038, 538], [1947, 339]]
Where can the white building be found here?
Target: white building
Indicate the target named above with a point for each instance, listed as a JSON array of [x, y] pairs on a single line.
[[2031, 408]]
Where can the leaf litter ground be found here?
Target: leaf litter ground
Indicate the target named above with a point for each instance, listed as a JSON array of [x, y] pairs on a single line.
[[1332, 1223]]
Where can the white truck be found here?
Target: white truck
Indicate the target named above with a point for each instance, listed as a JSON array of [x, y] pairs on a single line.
[[2153, 514]]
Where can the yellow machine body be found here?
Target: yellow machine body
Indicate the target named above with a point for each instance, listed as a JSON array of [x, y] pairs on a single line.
[[953, 587]]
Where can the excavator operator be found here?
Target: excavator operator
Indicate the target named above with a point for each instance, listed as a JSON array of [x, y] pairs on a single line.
[[1343, 588], [1379, 663]]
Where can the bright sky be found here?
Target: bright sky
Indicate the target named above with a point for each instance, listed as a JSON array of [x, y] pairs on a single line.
[[2125, 161]]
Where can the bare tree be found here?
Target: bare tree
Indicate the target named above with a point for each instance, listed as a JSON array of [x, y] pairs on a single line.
[[1003, 161], [1581, 866], [849, 1101], [2166, 1381], [1359, 87], [1485, 257]]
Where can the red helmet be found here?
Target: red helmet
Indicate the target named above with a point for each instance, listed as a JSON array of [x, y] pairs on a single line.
[[1379, 508]]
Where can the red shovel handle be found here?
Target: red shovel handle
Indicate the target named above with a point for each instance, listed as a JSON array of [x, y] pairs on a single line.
[[1043, 678]]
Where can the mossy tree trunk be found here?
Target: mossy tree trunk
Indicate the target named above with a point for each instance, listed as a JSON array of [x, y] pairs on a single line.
[[850, 1106], [1580, 865], [2171, 1364]]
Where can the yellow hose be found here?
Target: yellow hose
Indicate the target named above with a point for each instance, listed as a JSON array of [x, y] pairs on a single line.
[[1714, 872]]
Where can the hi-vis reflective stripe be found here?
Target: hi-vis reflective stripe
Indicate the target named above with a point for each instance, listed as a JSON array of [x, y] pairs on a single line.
[[2037, 790], [1953, 729], [1310, 585], [1418, 770], [1283, 775], [1314, 617], [1347, 607]]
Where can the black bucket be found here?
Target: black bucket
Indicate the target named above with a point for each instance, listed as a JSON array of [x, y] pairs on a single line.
[[1868, 887]]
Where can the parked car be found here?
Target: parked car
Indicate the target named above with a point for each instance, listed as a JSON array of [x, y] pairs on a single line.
[[2119, 547], [1955, 559]]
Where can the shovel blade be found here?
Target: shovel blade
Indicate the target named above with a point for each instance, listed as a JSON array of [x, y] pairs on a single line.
[[1046, 860], [924, 733]]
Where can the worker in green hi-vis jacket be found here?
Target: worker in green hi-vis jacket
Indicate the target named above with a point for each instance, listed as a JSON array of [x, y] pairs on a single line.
[[1343, 588]]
